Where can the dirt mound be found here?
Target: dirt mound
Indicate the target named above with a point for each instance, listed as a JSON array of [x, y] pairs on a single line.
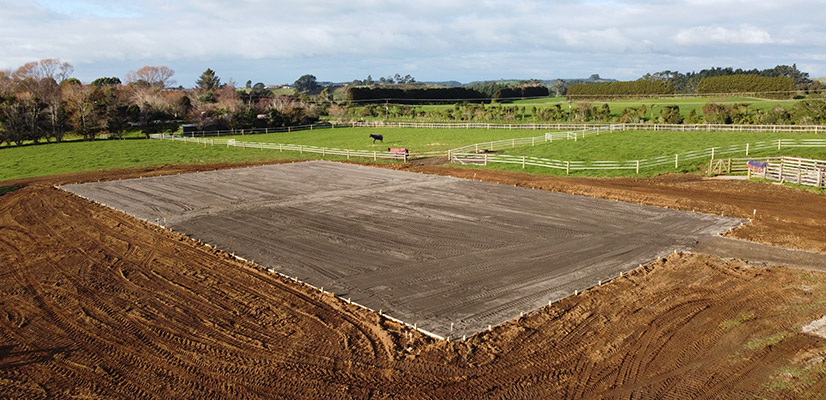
[[98, 304]]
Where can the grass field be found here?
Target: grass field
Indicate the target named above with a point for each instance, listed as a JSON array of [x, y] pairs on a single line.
[[636, 145], [686, 104], [99, 155], [414, 139], [77, 156]]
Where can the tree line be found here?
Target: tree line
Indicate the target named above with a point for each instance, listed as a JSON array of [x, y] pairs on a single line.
[[364, 94], [40, 101], [768, 87], [804, 112], [639, 88], [688, 83]]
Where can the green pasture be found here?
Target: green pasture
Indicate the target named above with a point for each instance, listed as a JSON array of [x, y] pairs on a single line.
[[99, 155], [417, 140], [638, 145], [76, 156], [653, 106]]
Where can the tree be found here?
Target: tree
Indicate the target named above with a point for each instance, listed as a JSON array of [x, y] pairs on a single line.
[[306, 84], [106, 81], [80, 102], [155, 76], [45, 68], [671, 114], [208, 81]]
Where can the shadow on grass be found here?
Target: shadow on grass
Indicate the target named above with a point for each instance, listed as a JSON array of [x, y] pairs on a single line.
[[7, 189]]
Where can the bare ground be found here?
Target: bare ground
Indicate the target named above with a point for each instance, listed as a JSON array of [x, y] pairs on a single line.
[[97, 304]]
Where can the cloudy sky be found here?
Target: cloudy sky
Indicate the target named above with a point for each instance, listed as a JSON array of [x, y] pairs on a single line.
[[432, 40]]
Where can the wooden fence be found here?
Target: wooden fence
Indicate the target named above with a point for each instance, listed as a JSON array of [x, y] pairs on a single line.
[[301, 149], [802, 171], [557, 127], [254, 131], [480, 153], [580, 127]]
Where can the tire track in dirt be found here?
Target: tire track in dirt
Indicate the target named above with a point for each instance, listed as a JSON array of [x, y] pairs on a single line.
[[220, 328]]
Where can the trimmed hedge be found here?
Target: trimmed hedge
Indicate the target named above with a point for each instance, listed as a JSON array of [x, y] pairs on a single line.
[[640, 88], [414, 96], [760, 86]]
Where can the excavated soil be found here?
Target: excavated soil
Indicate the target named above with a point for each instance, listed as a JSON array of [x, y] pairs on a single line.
[[97, 304], [450, 256]]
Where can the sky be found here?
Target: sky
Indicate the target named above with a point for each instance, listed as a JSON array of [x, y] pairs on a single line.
[[433, 40]]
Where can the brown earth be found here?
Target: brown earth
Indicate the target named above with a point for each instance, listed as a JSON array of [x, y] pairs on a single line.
[[97, 304]]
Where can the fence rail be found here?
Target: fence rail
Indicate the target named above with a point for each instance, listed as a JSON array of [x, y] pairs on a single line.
[[324, 151], [476, 125], [254, 131], [802, 171], [480, 153], [579, 127]]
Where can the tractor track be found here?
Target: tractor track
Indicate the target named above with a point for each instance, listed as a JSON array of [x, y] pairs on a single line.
[[99, 304]]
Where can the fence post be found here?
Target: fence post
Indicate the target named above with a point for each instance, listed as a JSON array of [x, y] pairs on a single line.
[[567, 167], [513, 143], [747, 149], [280, 147], [779, 143], [486, 159], [348, 154], [638, 166], [523, 162], [301, 149], [374, 155], [676, 161]]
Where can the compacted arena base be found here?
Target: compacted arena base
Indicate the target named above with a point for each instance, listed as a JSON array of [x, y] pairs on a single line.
[[450, 256]]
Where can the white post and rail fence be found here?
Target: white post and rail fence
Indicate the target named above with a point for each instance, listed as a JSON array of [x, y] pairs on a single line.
[[486, 153]]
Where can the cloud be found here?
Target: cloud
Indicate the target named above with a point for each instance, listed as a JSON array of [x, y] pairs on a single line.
[[745, 34], [431, 39]]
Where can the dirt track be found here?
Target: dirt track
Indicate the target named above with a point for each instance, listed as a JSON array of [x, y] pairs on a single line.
[[97, 304]]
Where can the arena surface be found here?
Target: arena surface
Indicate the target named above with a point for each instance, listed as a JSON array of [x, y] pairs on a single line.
[[450, 255]]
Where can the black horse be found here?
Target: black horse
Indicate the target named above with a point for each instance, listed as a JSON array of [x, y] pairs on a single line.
[[380, 138]]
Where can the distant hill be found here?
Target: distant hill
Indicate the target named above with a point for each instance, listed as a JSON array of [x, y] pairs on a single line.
[[595, 78], [445, 83]]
